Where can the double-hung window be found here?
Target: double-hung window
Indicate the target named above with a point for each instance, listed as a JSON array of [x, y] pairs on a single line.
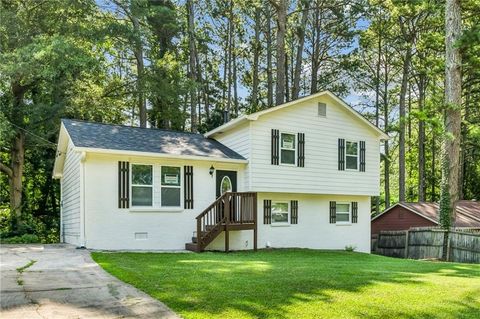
[[351, 155], [171, 186], [142, 185], [288, 148], [280, 211], [343, 213]]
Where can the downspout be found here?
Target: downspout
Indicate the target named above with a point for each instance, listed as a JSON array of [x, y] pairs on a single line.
[[83, 240]]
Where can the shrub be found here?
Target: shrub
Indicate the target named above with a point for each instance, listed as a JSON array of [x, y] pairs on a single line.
[[24, 239], [350, 248]]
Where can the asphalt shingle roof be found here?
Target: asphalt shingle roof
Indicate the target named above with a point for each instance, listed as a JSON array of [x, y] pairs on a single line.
[[128, 138], [468, 212]]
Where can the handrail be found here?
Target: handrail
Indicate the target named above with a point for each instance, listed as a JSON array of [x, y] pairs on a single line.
[[229, 208]]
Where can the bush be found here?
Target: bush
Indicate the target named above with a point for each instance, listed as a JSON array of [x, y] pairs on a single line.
[[350, 248], [24, 239]]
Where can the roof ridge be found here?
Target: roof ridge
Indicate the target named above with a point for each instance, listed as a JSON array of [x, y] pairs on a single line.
[[133, 127]]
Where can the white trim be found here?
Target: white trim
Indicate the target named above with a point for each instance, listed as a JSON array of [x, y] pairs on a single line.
[[276, 224], [349, 213], [407, 208], [295, 150], [358, 156], [254, 116], [152, 186], [172, 186], [160, 155]]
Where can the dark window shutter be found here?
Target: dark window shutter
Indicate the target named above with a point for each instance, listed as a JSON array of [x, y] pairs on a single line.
[[275, 146], [341, 154], [354, 212], [267, 211], [188, 187], [294, 212], [333, 212], [301, 150], [362, 156], [123, 184]]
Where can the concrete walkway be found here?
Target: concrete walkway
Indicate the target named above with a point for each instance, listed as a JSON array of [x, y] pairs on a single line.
[[59, 281]]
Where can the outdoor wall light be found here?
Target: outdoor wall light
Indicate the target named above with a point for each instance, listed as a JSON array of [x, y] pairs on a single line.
[[211, 170]]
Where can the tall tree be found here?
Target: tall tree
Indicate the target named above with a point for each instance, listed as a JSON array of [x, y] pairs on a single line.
[[281, 18], [453, 115]]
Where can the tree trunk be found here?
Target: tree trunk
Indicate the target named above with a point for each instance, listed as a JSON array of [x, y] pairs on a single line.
[[192, 66], [299, 55], [402, 105], [386, 129], [17, 165], [269, 57], [315, 51], [256, 58], [453, 116], [433, 197], [138, 52], [281, 8], [421, 138]]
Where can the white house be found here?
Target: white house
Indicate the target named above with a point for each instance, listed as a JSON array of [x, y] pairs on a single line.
[[299, 174]]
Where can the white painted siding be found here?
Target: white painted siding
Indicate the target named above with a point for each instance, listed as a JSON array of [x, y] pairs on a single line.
[[320, 174], [71, 197], [109, 227], [238, 139], [313, 229]]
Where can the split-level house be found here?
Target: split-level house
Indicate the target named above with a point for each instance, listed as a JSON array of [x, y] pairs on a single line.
[[300, 174]]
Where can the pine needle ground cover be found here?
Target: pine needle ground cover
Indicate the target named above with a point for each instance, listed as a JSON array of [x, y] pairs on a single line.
[[297, 283]]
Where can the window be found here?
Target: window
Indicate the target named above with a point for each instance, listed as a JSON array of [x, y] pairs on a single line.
[[351, 155], [142, 185], [280, 212], [225, 185], [343, 213], [171, 189], [287, 148]]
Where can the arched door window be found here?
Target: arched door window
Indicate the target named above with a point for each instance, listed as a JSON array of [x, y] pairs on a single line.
[[225, 185]]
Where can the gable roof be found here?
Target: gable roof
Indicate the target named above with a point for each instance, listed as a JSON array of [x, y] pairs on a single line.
[[254, 116], [128, 140], [467, 212]]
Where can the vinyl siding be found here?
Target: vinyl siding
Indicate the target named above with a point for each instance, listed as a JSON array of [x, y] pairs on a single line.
[[238, 139], [71, 197], [320, 174]]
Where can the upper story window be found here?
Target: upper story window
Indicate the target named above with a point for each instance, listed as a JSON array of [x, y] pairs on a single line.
[[142, 185], [351, 155], [171, 186], [288, 148], [343, 213]]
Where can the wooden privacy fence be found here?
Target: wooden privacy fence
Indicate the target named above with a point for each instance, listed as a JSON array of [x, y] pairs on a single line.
[[463, 245]]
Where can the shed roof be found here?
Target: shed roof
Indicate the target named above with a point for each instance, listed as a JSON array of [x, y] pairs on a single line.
[[127, 138], [468, 212]]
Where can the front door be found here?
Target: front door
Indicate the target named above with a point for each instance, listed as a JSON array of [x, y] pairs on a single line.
[[226, 182]]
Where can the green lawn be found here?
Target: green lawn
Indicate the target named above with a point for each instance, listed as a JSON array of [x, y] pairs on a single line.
[[300, 284]]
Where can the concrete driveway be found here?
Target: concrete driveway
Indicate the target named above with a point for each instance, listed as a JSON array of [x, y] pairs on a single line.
[[59, 281]]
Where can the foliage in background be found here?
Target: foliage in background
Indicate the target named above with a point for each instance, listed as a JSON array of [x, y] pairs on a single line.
[[182, 64]]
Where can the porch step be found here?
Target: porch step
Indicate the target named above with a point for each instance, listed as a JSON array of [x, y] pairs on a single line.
[[191, 247]]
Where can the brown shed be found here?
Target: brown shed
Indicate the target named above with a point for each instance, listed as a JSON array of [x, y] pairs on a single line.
[[403, 216]]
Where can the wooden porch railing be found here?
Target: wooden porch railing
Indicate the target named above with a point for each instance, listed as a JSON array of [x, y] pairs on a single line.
[[232, 208]]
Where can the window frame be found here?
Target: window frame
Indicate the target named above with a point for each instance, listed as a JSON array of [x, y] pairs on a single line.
[[357, 156], [132, 185], [349, 222], [295, 149], [276, 224], [171, 186]]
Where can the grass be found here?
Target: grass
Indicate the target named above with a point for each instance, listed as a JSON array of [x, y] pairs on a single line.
[[298, 283]]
